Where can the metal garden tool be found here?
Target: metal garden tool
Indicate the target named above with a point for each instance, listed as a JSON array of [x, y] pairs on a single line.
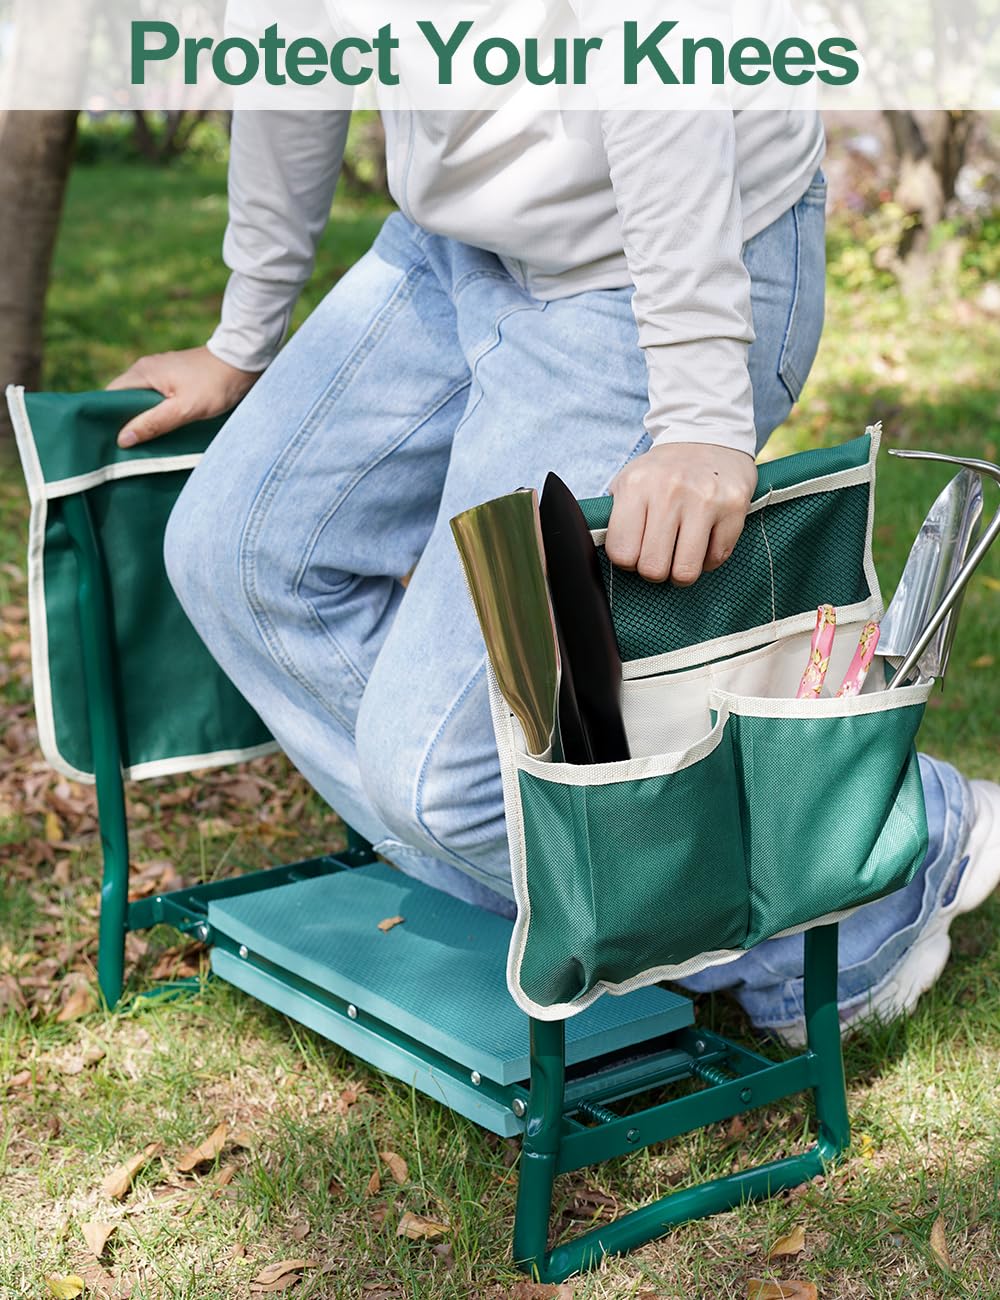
[[919, 625], [500, 544]]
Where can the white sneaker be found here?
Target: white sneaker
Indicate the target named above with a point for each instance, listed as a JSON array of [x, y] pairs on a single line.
[[978, 873]]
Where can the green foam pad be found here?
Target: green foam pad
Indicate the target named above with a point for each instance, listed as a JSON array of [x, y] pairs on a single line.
[[439, 977]]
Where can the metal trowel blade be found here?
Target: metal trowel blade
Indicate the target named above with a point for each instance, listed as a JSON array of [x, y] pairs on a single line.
[[940, 550]]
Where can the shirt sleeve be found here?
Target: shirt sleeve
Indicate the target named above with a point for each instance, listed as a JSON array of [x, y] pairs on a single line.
[[283, 170], [678, 197]]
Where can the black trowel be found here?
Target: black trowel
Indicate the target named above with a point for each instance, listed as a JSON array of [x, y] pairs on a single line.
[[590, 712]]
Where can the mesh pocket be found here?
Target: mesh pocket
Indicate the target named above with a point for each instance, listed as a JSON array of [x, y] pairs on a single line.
[[813, 546], [627, 876]]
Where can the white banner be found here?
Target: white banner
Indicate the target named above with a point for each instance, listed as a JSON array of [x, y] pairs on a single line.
[[480, 54]]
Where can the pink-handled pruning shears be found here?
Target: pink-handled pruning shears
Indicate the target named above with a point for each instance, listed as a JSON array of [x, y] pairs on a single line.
[[820, 649]]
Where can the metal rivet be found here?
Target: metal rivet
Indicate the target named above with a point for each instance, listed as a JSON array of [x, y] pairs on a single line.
[[352, 1012], [201, 931], [746, 1095], [476, 1078], [632, 1135], [244, 951], [519, 1108], [699, 1044]]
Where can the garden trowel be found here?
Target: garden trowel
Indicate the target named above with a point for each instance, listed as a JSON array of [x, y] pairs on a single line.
[[590, 709], [919, 626], [500, 544]]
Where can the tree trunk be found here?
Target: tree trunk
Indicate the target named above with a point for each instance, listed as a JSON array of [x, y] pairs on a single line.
[[36, 150], [929, 157], [165, 145]]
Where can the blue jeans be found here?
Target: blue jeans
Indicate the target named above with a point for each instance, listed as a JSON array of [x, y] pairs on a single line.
[[427, 381]]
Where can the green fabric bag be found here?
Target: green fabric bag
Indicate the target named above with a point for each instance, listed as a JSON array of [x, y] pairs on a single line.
[[743, 813], [179, 710]]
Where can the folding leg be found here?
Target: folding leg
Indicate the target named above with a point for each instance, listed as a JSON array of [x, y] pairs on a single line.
[[95, 624], [557, 1141]]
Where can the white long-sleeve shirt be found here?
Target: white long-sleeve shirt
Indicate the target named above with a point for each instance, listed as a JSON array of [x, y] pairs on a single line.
[[569, 202]]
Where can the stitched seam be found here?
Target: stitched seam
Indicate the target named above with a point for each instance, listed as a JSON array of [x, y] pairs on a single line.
[[299, 579], [482, 273], [493, 341], [785, 366], [425, 764], [280, 471]]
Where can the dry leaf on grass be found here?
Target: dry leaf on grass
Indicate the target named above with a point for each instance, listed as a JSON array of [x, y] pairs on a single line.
[[390, 923], [11, 997], [205, 1151], [396, 1165], [540, 1291], [65, 1288], [181, 962], [280, 1275], [348, 1097], [791, 1244], [117, 1183], [81, 1001], [416, 1227], [939, 1243], [374, 1184], [792, 1290], [300, 1230], [81, 1061], [53, 829], [96, 1235], [20, 1080]]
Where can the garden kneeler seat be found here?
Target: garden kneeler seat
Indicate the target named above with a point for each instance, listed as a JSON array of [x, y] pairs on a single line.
[[541, 1053]]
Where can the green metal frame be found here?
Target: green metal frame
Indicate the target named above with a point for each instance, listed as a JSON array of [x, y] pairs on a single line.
[[567, 1120]]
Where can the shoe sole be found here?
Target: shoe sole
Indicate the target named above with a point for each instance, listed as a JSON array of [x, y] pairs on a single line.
[[925, 961]]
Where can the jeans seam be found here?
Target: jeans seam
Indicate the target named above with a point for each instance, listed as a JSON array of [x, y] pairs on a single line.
[[325, 519], [481, 273], [453, 708], [492, 343], [279, 473], [785, 365]]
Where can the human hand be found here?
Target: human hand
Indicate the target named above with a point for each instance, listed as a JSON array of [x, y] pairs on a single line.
[[195, 384], [679, 510]]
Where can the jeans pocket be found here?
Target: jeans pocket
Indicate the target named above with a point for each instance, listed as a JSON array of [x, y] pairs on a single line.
[[805, 317]]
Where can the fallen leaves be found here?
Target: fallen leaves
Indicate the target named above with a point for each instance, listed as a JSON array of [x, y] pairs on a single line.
[[396, 1166], [119, 1181], [183, 961], [417, 1228], [281, 1275], [65, 1288], [390, 923], [939, 1244], [348, 1097], [80, 1001], [205, 1151], [793, 1290], [96, 1235], [793, 1243], [77, 1062]]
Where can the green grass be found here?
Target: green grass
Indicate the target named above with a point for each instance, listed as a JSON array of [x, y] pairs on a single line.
[[138, 270]]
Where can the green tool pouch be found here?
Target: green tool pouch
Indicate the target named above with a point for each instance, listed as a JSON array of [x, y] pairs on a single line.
[[743, 813], [178, 709]]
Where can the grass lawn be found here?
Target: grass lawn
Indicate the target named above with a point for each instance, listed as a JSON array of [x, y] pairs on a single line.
[[914, 1211]]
